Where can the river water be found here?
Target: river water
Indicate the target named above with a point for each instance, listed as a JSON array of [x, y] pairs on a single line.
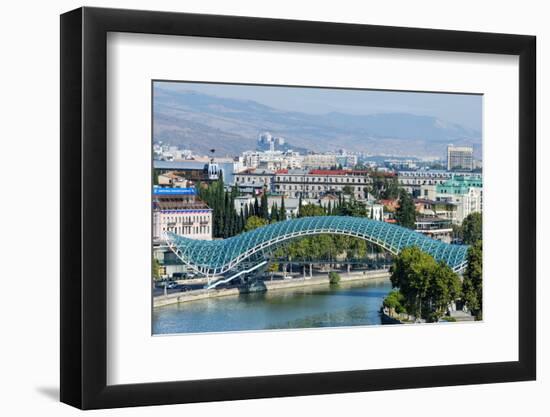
[[348, 304]]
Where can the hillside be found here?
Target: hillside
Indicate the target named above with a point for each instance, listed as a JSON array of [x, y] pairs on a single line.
[[201, 122]]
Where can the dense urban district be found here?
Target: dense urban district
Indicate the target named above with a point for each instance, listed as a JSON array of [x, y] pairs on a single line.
[[206, 197]]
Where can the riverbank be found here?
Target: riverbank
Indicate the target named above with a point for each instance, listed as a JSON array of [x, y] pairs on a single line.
[[353, 303], [455, 316], [274, 285]]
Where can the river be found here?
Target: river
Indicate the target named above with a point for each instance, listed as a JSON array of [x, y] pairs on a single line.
[[348, 304]]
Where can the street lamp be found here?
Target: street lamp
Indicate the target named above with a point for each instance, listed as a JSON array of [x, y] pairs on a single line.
[[290, 262]]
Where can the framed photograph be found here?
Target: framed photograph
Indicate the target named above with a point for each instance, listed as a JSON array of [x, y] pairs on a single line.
[[257, 208]]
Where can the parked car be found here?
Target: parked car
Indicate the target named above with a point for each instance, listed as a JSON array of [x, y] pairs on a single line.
[[168, 283]]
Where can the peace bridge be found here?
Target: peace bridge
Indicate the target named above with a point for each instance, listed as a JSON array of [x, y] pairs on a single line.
[[246, 252]]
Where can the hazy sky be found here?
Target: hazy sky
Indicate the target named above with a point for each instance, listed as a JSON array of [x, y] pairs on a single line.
[[463, 109]]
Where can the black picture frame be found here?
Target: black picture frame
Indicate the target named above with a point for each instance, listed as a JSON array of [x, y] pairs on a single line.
[[84, 207]]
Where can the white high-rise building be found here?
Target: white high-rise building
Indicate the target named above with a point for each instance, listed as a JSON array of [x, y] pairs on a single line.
[[460, 158]]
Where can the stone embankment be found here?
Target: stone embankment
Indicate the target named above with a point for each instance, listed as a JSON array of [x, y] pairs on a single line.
[[317, 279]]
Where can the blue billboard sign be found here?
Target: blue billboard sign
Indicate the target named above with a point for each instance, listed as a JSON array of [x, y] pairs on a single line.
[[174, 191]]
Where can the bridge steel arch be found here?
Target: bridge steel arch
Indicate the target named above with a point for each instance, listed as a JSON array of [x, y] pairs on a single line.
[[217, 257]]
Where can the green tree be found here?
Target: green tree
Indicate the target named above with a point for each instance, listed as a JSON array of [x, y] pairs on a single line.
[[225, 221], [457, 232], [334, 278], [272, 268], [253, 222], [445, 287], [353, 208], [391, 188], [156, 173], [310, 210], [428, 287], [241, 221], [377, 186], [472, 228], [472, 287], [410, 273], [394, 302], [357, 248], [274, 213], [156, 269], [282, 210], [347, 190], [406, 212]]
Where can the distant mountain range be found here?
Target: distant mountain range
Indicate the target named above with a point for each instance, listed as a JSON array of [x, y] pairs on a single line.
[[200, 122]]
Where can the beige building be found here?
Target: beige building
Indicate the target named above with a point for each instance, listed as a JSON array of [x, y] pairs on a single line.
[[254, 179], [317, 183], [320, 161], [170, 179], [272, 160], [180, 212]]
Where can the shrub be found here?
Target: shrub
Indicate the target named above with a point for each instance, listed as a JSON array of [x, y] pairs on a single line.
[[334, 277]]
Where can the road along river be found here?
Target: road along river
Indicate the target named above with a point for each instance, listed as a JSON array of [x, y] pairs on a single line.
[[346, 304]]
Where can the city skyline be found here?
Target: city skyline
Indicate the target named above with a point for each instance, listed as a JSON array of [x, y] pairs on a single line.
[[201, 116]]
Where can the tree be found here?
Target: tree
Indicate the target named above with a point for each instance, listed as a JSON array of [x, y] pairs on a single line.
[[406, 212], [410, 273], [391, 188], [473, 281], [378, 184], [457, 232], [394, 303], [428, 287], [156, 269], [334, 278], [347, 190], [357, 248], [274, 213], [241, 220], [310, 210], [156, 173], [472, 228], [225, 221], [353, 208], [253, 222], [282, 210], [272, 268], [445, 287]]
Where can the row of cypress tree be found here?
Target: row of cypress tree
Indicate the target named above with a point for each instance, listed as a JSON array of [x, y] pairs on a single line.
[[226, 220]]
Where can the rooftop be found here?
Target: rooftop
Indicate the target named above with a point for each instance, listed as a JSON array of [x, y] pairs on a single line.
[[178, 204], [433, 202]]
